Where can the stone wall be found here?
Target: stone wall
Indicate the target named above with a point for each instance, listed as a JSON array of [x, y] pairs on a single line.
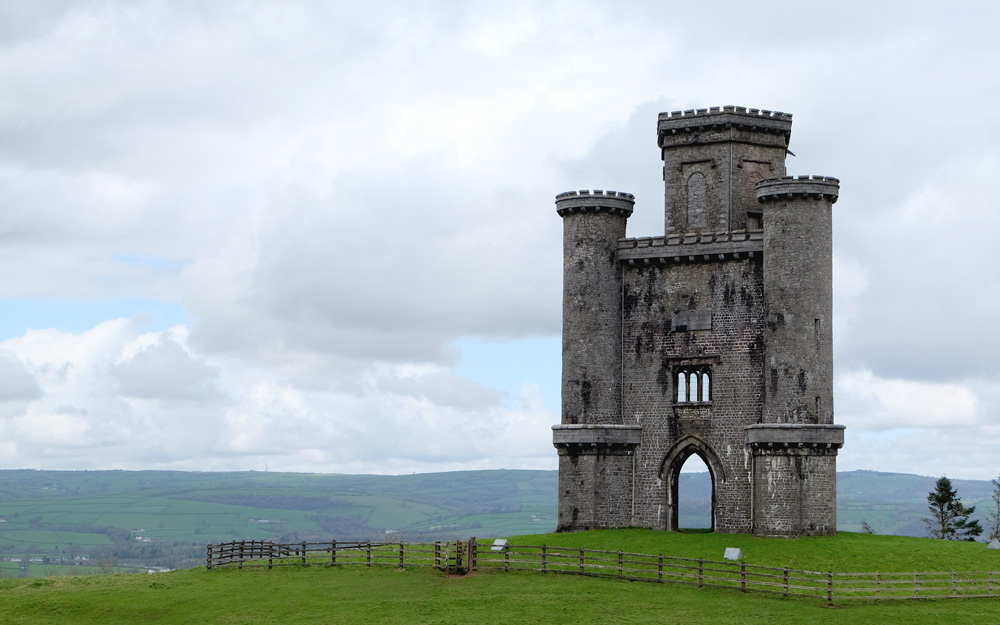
[[732, 292]]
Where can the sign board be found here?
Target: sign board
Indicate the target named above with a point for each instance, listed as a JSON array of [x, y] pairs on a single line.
[[734, 553]]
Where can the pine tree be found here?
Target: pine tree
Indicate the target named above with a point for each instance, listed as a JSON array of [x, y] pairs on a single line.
[[865, 528], [995, 512], [949, 519]]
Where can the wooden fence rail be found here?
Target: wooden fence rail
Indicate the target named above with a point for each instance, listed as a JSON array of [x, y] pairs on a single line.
[[462, 557]]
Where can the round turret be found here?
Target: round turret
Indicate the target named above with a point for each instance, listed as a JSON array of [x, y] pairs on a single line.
[[798, 278], [593, 222]]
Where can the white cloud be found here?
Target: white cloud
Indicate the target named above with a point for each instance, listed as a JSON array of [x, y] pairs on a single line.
[[339, 194], [869, 402], [111, 397]]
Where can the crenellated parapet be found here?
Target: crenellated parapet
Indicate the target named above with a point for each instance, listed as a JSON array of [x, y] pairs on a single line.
[[675, 126], [788, 187], [691, 247], [612, 202]]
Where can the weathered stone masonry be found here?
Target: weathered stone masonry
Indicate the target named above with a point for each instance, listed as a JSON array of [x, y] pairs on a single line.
[[714, 339]]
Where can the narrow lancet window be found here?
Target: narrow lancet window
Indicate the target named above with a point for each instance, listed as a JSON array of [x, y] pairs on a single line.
[[696, 191]]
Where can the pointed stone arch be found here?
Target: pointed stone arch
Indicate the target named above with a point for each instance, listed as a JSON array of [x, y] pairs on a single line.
[[670, 470]]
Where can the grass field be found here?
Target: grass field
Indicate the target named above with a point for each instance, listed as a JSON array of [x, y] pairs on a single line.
[[321, 594]]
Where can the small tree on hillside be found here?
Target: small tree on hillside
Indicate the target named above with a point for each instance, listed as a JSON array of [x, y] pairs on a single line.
[[994, 514], [949, 519]]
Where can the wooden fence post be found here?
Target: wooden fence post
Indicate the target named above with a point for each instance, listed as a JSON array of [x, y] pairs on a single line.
[[473, 553], [333, 553], [543, 558], [368, 553], [878, 586], [506, 557], [701, 572], [400, 554], [829, 587], [954, 590], [242, 544], [581, 560], [437, 553], [916, 585], [270, 555], [991, 583], [786, 581], [743, 576], [659, 568], [620, 557]]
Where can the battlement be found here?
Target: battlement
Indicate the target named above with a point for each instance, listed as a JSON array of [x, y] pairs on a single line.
[[597, 201], [716, 117], [816, 187], [691, 247], [718, 110]]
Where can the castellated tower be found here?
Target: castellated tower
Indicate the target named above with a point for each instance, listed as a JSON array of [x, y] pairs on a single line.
[[714, 339]]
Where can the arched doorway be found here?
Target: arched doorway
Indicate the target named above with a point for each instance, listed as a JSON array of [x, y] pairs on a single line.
[[670, 472], [694, 498]]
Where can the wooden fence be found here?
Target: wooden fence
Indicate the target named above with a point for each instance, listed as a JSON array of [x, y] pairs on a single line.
[[463, 557]]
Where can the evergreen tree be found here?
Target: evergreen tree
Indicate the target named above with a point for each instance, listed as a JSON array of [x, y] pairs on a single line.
[[995, 512], [949, 519]]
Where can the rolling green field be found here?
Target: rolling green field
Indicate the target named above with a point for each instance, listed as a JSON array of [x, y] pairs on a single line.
[[55, 522], [322, 594], [62, 522]]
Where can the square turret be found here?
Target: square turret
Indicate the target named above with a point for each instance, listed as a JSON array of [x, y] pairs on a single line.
[[712, 160]]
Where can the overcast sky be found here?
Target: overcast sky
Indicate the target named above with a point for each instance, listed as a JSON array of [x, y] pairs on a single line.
[[320, 236]]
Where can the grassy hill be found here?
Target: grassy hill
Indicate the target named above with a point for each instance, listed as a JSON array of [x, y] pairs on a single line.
[[63, 522], [321, 594], [57, 522]]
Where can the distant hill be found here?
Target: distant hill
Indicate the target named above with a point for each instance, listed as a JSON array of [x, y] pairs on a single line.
[[59, 521], [891, 503]]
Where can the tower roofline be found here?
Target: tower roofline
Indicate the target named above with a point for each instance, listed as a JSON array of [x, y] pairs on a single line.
[[613, 202], [741, 117], [818, 187]]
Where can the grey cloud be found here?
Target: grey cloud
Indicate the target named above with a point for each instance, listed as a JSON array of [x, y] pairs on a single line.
[[16, 382], [166, 371], [445, 389], [392, 267]]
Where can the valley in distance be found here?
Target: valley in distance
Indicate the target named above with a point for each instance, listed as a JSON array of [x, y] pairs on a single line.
[[78, 522]]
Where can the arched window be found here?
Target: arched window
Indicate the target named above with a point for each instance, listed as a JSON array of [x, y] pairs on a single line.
[[693, 384]]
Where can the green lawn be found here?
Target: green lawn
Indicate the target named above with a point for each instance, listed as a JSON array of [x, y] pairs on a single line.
[[845, 552], [386, 595]]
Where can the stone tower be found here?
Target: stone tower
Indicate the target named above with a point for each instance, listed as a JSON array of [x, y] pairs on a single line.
[[714, 339]]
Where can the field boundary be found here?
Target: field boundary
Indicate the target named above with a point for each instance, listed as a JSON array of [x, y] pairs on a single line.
[[466, 556]]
